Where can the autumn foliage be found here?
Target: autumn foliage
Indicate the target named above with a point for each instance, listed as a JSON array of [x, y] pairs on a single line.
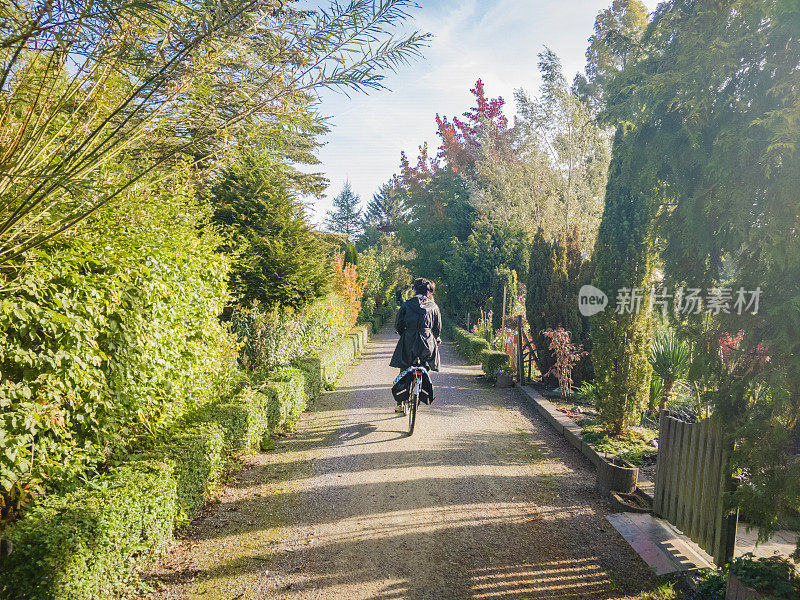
[[348, 285]]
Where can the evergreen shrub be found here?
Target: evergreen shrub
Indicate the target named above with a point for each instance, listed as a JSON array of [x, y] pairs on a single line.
[[243, 419], [198, 455], [492, 361], [86, 544], [286, 397]]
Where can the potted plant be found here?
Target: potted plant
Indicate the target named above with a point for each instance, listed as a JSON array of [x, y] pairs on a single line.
[[505, 376]]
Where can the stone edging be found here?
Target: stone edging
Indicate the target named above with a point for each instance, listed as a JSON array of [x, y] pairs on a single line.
[[572, 432]]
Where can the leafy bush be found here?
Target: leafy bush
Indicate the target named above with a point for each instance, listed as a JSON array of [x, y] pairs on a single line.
[[492, 362], [85, 545], [383, 269], [711, 585], [349, 286], [773, 576], [243, 419], [274, 339], [198, 455], [109, 339]]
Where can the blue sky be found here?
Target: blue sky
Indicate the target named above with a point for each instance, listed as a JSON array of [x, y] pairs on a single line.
[[496, 41]]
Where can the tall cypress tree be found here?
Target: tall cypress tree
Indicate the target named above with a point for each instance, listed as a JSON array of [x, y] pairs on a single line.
[[624, 257]]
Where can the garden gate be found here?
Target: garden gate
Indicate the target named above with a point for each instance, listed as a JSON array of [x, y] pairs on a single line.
[[692, 480]]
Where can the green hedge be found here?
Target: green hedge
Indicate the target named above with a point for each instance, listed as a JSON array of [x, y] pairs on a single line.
[[243, 419], [198, 455], [475, 349], [86, 544], [328, 364], [335, 357], [363, 332], [286, 397], [471, 346], [492, 361], [311, 366]]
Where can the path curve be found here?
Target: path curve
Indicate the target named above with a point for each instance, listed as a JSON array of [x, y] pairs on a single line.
[[483, 501]]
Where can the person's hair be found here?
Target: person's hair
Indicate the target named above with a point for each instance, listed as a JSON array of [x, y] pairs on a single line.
[[424, 287]]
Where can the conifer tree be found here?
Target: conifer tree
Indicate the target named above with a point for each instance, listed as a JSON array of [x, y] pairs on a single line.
[[346, 214], [554, 279], [614, 44], [540, 269], [624, 257], [278, 261], [386, 210]]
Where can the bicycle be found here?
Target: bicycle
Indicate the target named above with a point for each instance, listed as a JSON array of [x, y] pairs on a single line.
[[412, 402]]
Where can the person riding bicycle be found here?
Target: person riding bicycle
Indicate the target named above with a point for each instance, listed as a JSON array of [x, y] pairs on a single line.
[[419, 323]]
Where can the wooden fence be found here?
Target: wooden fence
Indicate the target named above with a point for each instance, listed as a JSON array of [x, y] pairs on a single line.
[[692, 479]]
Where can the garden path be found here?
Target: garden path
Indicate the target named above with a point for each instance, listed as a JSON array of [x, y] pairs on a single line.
[[483, 501]]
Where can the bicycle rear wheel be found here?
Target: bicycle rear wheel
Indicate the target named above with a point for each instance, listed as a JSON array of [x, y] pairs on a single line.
[[412, 413]]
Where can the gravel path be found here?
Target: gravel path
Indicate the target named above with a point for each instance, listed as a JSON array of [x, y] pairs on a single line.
[[483, 501]]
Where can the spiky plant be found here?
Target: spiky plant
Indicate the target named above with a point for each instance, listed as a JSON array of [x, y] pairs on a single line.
[[669, 357]]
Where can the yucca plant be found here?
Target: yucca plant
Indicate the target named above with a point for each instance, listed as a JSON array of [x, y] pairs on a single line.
[[669, 357], [656, 389]]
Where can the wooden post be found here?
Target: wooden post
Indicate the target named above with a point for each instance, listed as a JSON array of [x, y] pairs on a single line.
[[520, 362], [503, 316], [467, 321]]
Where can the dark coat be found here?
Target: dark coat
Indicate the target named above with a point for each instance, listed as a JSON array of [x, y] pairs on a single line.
[[419, 324]]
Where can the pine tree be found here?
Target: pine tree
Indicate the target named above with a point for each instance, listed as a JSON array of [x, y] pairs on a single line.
[[386, 210], [278, 261], [346, 214]]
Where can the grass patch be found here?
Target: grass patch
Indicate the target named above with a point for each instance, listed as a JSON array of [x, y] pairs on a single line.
[[633, 446]]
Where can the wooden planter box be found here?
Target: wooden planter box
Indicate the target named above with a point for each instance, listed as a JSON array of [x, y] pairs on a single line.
[[616, 475], [504, 380], [736, 590]]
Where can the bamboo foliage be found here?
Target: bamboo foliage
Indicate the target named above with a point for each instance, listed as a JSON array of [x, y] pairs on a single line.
[[84, 85]]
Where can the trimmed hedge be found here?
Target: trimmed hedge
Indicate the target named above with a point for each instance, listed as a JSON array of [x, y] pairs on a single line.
[[471, 346], [85, 545], [492, 361], [311, 366], [198, 455], [286, 398], [363, 332], [475, 349], [328, 364], [243, 419]]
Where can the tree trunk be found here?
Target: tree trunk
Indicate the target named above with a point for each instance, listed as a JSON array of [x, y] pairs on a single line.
[[666, 393]]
